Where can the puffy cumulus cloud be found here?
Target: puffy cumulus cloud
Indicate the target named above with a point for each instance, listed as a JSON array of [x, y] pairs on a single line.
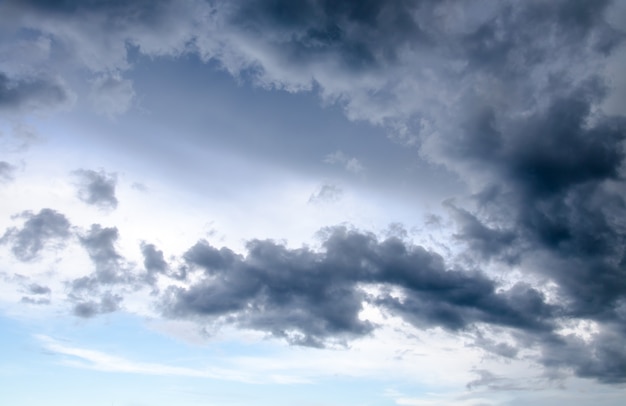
[[102, 291], [97, 188], [153, 261], [313, 297], [38, 231], [99, 242]]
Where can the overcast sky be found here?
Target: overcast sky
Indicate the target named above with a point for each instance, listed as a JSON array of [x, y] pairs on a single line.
[[312, 202]]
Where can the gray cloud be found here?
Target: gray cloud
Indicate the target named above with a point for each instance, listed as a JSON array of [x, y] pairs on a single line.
[[39, 301], [314, 298], [100, 245], [481, 239], [501, 349], [287, 293], [96, 34], [551, 199], [359, 37], [38, 231], [37, 289], [32, 93], [560, 194], [309, 297], [153, 261], [108, 303], [94, 294], [97, 188], [602, 357]]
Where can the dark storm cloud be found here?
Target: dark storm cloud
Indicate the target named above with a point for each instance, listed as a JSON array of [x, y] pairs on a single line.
[[360, 34], [97, 35], [314, 298], [31, 93], [481, 239], [558, 208], [309, 297], [561, 193], [288, 293], [602, 356], [143, 8], [38, 231], [97, 188]]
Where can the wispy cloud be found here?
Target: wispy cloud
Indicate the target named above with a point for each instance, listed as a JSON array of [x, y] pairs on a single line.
[[79, 357]]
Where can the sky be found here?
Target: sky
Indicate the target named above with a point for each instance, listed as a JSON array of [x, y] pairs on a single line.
[[312, 202]]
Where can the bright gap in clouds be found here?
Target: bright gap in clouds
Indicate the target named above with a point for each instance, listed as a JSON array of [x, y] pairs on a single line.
[[279, 202]]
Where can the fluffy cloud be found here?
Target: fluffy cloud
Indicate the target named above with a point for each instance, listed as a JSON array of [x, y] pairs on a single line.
[[97, 188], [38, 231]]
